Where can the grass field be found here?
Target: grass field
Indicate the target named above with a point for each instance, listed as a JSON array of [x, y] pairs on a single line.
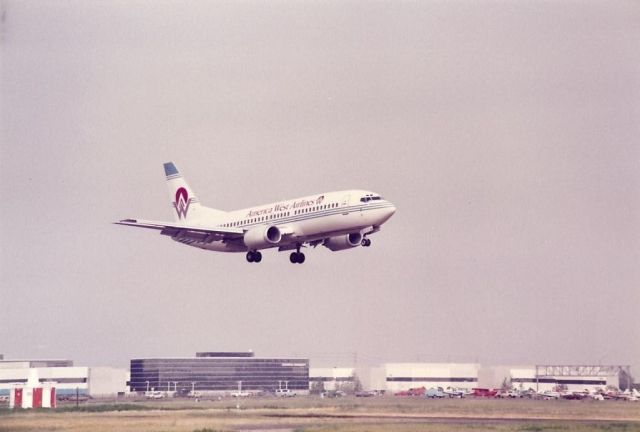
[[339, 415]]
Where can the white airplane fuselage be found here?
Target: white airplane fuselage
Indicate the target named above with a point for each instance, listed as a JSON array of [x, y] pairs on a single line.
[[338, 213]]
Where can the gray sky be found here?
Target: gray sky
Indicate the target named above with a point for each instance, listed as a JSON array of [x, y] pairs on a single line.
[[506, 133]]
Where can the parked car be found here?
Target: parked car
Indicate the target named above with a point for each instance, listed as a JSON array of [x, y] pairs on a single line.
[[508, 394], [333, 394], [285, 392], [416, 391], [154, 394], [434, 392], [365, 393], [550, 395], [484, 392], [81, 397]]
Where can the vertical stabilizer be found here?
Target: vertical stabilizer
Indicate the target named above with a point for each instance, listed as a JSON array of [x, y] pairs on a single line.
[[186, 205]]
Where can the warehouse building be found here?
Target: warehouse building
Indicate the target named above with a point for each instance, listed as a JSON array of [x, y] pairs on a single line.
[[331, 379], [396, 377], [219, 372], [68, 379], [569, 377]]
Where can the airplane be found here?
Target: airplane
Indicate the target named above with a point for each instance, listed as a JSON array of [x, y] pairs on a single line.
[[453, 392], [337, 220]]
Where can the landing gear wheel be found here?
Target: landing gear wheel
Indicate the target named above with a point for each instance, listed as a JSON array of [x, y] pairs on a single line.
[[366, 242], [254, 256], [296, 257]]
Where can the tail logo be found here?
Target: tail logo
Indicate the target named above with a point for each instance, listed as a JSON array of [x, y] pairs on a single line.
[[182, 203]]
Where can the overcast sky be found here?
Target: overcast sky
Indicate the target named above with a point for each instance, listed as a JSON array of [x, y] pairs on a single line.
[[506, 133]]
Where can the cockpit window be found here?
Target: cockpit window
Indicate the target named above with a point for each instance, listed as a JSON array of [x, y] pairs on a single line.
[[370, 197]]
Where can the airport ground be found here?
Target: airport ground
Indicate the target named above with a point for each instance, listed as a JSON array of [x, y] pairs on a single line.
[[313, 414]]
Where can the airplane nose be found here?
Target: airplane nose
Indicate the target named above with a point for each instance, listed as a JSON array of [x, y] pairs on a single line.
[[387, 212], [390, 211]]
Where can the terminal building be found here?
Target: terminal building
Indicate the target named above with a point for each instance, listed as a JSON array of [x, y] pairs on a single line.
[[219, 372], [68, 379]]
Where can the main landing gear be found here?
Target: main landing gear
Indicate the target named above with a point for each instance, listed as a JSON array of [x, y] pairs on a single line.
[[254, 256], [296, 257], [365, 242]]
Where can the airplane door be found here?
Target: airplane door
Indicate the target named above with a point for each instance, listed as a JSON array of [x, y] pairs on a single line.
[[345, 204]]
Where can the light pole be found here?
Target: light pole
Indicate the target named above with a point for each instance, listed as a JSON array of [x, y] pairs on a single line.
[[147, 386]]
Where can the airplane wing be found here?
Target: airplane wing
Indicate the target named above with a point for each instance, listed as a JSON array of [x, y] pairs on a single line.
[[192, 231]]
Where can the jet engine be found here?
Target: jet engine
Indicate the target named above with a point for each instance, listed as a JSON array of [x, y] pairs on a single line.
[[262, 237], [342, 242]]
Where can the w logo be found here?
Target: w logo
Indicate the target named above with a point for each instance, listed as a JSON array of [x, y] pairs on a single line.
[[182, 202]]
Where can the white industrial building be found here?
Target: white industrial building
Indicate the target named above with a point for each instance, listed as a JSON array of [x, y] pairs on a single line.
[[570, 377], [69, 379], [395, 377], [331, 378]]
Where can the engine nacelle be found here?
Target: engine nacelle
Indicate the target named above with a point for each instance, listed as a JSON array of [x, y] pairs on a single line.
[[342, 242], [262, 237]]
